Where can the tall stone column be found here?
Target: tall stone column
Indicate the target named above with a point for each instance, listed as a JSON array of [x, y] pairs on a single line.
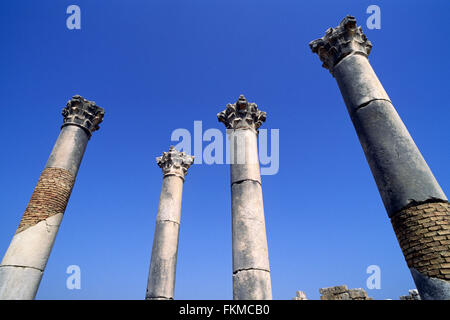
[[251, 272], [163, 264], [24, 262], [415, 203]]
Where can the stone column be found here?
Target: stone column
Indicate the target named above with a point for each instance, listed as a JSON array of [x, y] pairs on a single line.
[[163, 264], [251, 272], [415, 203], [24, 262]]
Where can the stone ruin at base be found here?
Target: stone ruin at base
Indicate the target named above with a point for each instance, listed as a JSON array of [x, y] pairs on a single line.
[[344, 293], [413, 295], [300, 296]]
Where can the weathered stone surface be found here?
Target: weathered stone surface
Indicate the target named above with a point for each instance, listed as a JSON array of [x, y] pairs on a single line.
[[333, 290], [344, 40], [175, 163], [169, 208], [69, 149], [19, 283], [83, 113], [252, 285], [431, 288], [412, 295], [399, 169], [251, 276], [248, 227], [162, 273], [401, 173], [358, 293], [161, 281], [31, 247], [300, 295], [342, 296], [242, 115], [343, 293], [244, 156], [81, 118], [25, 260], [358, 82]]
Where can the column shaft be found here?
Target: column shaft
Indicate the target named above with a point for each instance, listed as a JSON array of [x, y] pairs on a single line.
[[415, 203], [163, 264], [399, 169], [251, 270], [23, 265], [161, 280]]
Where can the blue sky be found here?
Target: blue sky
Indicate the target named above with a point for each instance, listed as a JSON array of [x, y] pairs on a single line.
[[156, 66]]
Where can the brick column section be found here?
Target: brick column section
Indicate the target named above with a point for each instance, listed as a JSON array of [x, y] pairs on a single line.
[[251, 272], [415, 203], [163, 264], [23, 265]]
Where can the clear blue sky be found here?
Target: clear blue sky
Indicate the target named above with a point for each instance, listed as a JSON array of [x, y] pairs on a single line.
[[156, 66]]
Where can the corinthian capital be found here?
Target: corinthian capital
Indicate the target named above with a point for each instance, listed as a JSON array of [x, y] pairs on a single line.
[[339, 42], [242, 114], [83, 113], [174, 162]]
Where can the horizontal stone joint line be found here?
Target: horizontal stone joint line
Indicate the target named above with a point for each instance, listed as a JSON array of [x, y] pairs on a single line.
[[243, 128], [17, 266], [158, 297], [173, 175], [415, 203], [250, 218], [244, 180], [167, 220], [369, 102], [87, 131], [250, 269], [348, 55]]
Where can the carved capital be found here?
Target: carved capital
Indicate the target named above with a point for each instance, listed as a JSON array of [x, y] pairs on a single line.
[[83, 113], [242, 114], [339, 42], [174, 162]]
